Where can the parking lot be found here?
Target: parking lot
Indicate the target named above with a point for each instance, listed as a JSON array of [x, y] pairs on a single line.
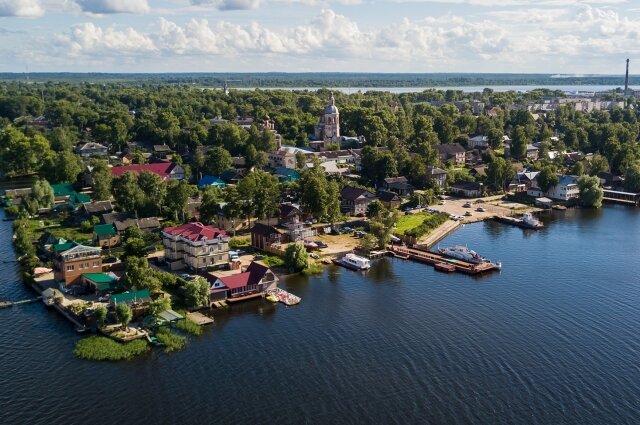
[[492, 206]]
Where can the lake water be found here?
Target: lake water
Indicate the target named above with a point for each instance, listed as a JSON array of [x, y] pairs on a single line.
[[552, 339], [466, 89]]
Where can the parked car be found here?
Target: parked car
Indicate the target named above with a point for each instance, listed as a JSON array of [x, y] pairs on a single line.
[[258, 257], [185, 276], [467, 205], [110, 259], [314, 256], [346, 229], [468, 213], [481, 209], [442, 202], [321, 244], [104, 298]]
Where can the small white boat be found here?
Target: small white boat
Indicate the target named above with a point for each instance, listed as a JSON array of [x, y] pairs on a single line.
[[353, 262]]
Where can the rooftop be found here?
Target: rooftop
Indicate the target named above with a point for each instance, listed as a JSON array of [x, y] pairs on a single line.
[[195, 232]]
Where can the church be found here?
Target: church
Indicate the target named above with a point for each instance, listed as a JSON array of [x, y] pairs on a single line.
[[327, 131]]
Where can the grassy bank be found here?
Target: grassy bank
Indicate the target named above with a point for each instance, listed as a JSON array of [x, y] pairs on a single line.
[[102, 348], [420, 224], [171, 341]]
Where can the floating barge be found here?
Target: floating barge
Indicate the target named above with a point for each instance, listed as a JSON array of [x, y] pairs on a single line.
[[441, 262]]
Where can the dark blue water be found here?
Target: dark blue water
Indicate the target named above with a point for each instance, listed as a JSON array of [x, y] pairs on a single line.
[[552, 339]]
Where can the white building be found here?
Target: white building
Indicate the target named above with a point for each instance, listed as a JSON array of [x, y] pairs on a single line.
[[195, 246], [566, 189]]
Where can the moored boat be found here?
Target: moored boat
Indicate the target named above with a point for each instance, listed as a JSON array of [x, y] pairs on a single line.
[[353, 262], [463, 253]]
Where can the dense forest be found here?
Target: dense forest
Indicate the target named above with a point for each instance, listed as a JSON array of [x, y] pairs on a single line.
[[329, 79]]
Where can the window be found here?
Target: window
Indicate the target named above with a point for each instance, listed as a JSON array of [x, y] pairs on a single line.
[[96, 264], [70, 268]]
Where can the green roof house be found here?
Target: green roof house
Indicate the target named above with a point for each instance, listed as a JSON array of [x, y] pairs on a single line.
[[105, 235], [100, 282]]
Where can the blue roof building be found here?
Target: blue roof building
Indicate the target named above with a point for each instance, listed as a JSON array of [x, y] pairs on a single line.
[[207, 181], [286, 174]]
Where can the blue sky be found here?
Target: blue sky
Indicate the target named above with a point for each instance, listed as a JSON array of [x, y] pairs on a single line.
[[547, 36]]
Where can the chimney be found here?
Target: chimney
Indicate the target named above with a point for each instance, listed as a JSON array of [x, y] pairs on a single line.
[[626, 80]]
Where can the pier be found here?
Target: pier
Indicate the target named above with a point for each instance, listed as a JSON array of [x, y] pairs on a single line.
[[442, 262], [628, 198]]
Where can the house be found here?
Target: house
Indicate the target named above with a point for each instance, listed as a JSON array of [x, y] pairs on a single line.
[[264, 235], [166, 170], [65, 194], [610, 180], [162, 151], [105, 235], [284, 157], [100, 282], [565, 190], [148, 224], [292, 218], [251, 283], [232, 176], [195, 246], [478, 171], [467, 189], [208, 181], [437, 177], [355, 201], [523, 181], [452, 152], [286, 175], [138, 301], [71, 260], [532, 152], [47, 241], [91, 149], [479, 141], [97, 208], [389, 199], [399, 185]]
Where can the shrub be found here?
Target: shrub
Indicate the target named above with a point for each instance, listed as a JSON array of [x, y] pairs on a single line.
[[86, 226], [190, 327], [431, 222], [171, 341], [239, 243], [313, 268], [102, 348]]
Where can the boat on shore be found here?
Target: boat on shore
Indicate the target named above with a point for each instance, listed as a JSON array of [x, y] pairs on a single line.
[[463, 253], [353, 262], [527, 221]]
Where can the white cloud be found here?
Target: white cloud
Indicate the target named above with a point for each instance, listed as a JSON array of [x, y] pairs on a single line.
[[21, 8], [229, 4], [562, 39], [113, 6]]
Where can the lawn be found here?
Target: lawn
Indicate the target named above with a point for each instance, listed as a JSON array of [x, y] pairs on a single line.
[[408, 222], [38, 226]]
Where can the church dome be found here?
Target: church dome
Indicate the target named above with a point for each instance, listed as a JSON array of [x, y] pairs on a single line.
[[331, 106]]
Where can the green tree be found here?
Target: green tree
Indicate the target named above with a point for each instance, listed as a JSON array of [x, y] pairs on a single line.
[[218, 160], [42, 194], [62, 167], [196, 293], [598, 164], [632, 178], [127, 193], [495, 137], [333, 202], [179, 194], [101, 176], [137, 271], [124, 315], [100, 315], [382, 226], [547, 178], [519, 143], [578, 169], [261, 191], [234, 206], [375, 209], [158, 306], [296, 257], [301, 160], [154, 190], [313, 185], [499, 172], [210, 206], [591, 193]]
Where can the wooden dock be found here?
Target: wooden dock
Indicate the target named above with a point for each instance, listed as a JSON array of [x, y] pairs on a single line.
[[220, 304], [199, 318], [442, 262]]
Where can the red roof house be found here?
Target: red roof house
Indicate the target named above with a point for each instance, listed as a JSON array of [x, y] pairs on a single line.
[[195, 246], [166, 170], [253, 282]]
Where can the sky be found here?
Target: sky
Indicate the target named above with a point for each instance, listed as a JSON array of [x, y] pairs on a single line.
[[514, 36]]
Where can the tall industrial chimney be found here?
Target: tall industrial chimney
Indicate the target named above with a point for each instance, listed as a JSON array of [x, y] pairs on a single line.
[[626, 80]]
